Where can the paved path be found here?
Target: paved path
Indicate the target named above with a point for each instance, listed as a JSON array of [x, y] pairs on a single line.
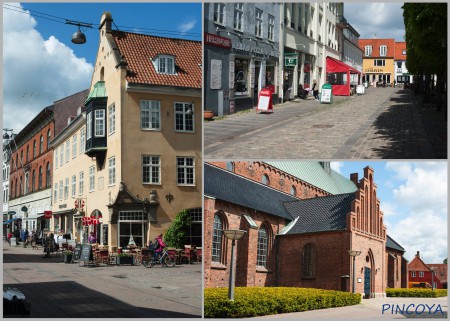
[[384, 123], [55, 289], [373, 309]]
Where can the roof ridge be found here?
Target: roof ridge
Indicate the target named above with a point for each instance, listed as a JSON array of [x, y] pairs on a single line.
[[146, 35], [252, 181], [321, 197]]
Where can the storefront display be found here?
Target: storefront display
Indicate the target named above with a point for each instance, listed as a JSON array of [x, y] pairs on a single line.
[[241, 76]]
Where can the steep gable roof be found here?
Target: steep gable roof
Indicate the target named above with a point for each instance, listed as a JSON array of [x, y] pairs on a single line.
[[313, 173], [390, 243], [441, 271], [138, 50], [320, 214], [417, 265], [227, 186], [376, 43]]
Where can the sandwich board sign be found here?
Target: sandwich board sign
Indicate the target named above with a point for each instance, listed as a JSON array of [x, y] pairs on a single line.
[[326, 95], [265, 101]]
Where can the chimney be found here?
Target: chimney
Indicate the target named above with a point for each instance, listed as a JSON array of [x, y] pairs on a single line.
[[418, 254], [354, 178]]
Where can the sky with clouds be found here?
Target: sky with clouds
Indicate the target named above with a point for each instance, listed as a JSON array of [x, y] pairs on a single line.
[[383, 19], [413, 197], [41, 65]]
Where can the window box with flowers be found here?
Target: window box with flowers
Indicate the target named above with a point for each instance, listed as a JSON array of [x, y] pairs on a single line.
[[125, 259]]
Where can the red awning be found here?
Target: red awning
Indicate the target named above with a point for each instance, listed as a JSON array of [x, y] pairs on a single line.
[[334, 65]]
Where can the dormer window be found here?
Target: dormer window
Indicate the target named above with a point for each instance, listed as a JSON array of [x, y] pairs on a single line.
[[165, 64], [383, 50]]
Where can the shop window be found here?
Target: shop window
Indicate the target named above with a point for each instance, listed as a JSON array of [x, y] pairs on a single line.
[[132, 224], [337, 78], [240, 81]]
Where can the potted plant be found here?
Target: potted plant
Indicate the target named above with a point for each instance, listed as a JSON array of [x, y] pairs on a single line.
[[125, 258], [208, 114], [68, 255]]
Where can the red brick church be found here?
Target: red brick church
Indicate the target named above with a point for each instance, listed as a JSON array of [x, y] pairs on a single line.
[[301, 220]]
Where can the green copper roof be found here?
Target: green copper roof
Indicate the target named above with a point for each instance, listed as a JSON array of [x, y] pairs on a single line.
[[313, 173], [98, 91]]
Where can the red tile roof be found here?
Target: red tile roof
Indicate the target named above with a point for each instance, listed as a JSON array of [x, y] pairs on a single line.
[[417, 265], [441, 271], [376, 43], [139, 49], [399, 47]]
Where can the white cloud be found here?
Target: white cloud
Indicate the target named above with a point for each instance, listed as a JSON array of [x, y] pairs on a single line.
[[187, 26], [36, 71], [420, 196], [383, 19], [336, 166]]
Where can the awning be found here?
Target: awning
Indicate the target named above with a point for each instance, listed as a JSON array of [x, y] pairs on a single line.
[[335, 66], [34, 217], [11, 220]]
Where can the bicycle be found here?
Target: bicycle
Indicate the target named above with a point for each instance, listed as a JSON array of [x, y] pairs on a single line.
[[165, 260]]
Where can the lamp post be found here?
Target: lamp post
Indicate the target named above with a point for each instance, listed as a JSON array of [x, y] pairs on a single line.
[[354, 254], [233, 235], [432, 278]]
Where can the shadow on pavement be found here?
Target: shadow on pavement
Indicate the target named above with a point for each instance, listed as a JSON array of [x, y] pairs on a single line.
[[30, 258], [71, 299], [412, 133]]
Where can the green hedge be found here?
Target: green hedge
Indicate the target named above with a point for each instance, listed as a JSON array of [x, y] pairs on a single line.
[[416, 292], [256, 301]]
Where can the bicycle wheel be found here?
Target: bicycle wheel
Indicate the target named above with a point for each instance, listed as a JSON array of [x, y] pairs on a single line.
[[147, 262], [169, 261]]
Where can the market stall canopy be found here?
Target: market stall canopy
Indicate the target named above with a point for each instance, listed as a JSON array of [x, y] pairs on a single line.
[[338, 75]]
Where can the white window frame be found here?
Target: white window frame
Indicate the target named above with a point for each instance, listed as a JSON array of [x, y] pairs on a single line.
[[82, 140], [81, 183], [147, 164], [271, 28], [74, 146], [258, 23], [74, 185], [112, 171], [56, 158], [186, 171], [55, 192], [91, 178], [219, 14], [67, 150], [151, 109], [421, 274], [89, 126], [61, 155], [413, 274], [238, 16], [66, 188], [61, 190], [368, 51], [111, 119], [181, 114], [99, 130], [383, 50]]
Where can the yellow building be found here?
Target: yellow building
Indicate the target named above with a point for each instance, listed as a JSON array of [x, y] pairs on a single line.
[[141, 134], [378, 60]]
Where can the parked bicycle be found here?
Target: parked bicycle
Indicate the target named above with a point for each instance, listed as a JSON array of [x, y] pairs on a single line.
[[165, 260]]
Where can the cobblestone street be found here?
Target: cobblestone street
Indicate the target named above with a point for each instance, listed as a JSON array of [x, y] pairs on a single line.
[[55, 289], [384, 123]]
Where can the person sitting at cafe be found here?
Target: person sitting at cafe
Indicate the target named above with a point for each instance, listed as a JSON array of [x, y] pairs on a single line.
[[92, 239]]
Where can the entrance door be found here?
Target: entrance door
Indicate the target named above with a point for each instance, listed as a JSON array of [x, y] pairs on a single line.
[[367, 282]]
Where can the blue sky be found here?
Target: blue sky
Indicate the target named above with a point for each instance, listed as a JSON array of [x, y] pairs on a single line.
[[413, 198], [40, 63]]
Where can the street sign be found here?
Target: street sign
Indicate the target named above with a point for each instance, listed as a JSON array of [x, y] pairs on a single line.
[[290, 60], [326, 95], [47, 214]]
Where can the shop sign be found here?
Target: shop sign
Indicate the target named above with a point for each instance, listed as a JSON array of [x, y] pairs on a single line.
[[217, 41], [63, 206], [254, 50], [290, 60], [231, 74], [216, 74], [371, 69], [326, 94]]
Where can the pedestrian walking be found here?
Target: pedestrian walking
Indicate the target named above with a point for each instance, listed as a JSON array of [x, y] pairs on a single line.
[[315, 90], [92, 239]]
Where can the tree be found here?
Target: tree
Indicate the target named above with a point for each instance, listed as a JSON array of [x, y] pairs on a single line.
[[176, 234], [445, 261]]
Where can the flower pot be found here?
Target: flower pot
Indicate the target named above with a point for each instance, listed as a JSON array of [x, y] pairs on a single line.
[[68, 258], [208, 114]]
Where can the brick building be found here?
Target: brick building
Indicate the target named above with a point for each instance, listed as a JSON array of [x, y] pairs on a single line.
[[301, 220], [31, 162], [419, 271], [397, 265]]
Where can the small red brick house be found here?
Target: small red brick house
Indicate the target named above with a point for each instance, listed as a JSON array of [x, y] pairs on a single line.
[[396, 265], [292, 241], [419, 271]]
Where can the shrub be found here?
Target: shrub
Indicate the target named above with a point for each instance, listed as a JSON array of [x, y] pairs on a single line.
[[176, 234], [416, 292], [257, 301]]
